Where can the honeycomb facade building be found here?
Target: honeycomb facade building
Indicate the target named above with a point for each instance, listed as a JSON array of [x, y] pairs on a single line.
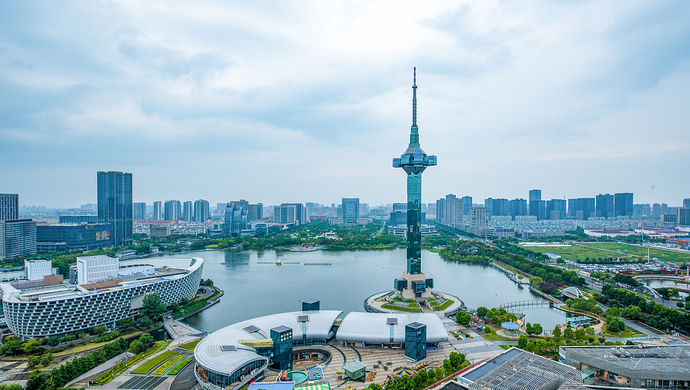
[[59, 309]]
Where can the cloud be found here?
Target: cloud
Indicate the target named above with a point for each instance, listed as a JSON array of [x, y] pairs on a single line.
[[260, 98]]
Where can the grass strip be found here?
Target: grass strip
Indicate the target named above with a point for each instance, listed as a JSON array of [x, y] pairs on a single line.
[[190, 344], [164, 367], [398, 308], [179, 366], [149, 365]]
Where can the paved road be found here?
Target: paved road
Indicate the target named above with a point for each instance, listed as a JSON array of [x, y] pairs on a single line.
[[185, 379]]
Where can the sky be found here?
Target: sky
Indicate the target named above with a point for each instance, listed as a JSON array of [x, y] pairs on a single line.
[[303, 101]]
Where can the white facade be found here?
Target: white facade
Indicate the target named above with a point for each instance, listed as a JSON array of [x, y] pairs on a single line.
[[92, 269], [37, 269]]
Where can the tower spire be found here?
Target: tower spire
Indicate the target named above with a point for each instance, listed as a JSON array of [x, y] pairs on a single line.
[[414, 133]]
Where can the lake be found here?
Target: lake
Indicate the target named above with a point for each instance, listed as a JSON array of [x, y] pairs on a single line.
[[255, 286]]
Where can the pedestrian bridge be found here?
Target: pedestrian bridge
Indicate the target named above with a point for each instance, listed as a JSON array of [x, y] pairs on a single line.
[[661, 277], [519, 304], [571, 292]]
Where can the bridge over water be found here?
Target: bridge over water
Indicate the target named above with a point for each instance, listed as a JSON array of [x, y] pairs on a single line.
[[521, 304]]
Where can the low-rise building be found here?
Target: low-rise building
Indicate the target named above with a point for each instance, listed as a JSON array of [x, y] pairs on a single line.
[[54, 310], [516, 369], [638, 366]]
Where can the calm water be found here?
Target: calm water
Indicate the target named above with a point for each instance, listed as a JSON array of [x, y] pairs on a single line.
[[254, 289]]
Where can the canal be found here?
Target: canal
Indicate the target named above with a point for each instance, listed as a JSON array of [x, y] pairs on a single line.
[[255, 286]]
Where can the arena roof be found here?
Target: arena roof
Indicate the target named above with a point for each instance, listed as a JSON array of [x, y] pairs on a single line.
[[651, 361], [519, 370], [209, 354], [376, 327]]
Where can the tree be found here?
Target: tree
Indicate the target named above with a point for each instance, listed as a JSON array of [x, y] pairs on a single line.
[[31, 346], [135, 347], [33, 361], [568, 333], [12, 346], [463, 318], [152, 307], [680, 304], [456, 359], [375, 386], [47, 359], [125, 323], [536, 281], [36, 380], [146, 323], [579, 334], [98, 330], [481, 312], [528, 329], [557, 332], [447, 366], [53, 341], [589, 331], [522, 341], [537, 329]]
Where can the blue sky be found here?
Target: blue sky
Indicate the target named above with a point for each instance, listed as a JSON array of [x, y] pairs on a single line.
[[310, 101]]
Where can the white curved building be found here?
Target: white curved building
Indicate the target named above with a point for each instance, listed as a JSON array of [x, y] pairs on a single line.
[[65, 308], [239, 352], [388, 329]]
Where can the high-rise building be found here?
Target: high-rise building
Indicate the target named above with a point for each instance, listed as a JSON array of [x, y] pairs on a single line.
[[187, 211], [157, 210], [518, 207], [451, 213], [581, 208], [466, 204], [139, 211], [201, 211], [537, 207], [478, 217], [556, 209], [172, 210], [623, 204], [290, 213], [686, 203], [115, 204], [683, 216], [221, 207], [350, 210], [17, 238], [9, 206], [497, 207], [256, 212], [640, 210], [235, 218], [656, 209], [534, 195], [604, 206], [414, 162]]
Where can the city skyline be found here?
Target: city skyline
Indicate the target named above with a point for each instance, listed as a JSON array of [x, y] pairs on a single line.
[[575, 99]]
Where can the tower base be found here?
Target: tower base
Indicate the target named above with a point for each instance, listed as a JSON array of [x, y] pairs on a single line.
[[414, 286]]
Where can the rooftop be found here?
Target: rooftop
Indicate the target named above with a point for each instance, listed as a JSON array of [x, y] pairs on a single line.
[[669, 359], [519, 370], [65, 291]]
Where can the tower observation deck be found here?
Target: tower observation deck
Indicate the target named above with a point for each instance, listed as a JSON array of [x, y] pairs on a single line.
[[414, 161]]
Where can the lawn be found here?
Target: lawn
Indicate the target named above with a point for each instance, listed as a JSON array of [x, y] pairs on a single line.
[[190, 344], [444, 305], [164, 367], [407, 309], [580, 251], [149, 365], [179, 366]]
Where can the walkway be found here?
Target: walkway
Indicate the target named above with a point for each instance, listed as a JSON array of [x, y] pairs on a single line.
[[83, 380], [180, 331]]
